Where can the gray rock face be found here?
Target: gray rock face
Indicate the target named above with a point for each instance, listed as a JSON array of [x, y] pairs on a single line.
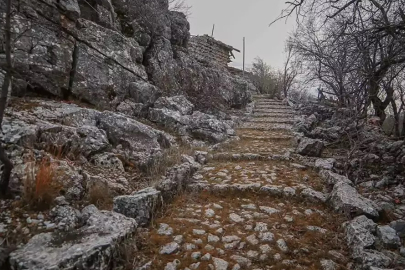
[[140, 143], [359, 234], [177, 114], [310, 147], [345, 198], [90, 247], [176, 103], [399, 227], [332, 178], [325, 164], [313, 195], [388, 237], [106, 59], [139, 206]]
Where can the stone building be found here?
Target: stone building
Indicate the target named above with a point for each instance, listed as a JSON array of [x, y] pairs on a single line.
[[208, 50]]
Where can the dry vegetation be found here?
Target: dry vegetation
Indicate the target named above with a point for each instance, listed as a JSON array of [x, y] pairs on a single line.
[[41, 185]]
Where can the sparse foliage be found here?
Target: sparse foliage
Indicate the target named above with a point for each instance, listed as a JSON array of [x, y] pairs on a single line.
[[354, 50]]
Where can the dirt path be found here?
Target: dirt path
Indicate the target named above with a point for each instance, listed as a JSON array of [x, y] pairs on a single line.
[[250, 213]]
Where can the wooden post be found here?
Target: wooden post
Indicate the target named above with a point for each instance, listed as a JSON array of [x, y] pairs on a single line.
[[243, 56], [213, 28]]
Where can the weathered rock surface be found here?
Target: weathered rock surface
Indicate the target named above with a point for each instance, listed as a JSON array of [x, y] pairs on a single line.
[[310, 147], [140, 205], [112, 54], [91, 246], [345, 198]]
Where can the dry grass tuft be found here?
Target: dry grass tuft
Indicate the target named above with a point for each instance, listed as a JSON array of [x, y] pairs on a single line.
[[101, 196], [169, 158], [40, 188]]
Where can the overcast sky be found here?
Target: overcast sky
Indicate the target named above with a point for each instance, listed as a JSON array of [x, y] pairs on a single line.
[[235, 19]]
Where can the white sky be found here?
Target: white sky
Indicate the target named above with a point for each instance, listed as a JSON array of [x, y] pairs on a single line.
[[235, 19]]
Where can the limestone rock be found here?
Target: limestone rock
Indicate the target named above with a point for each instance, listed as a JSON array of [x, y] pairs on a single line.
[[388, 237], [139, 206], [345, 198], [310, 147], [91, 246]]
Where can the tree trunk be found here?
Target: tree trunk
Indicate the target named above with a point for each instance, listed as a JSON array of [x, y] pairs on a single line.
[[396, 118], [8, 166]]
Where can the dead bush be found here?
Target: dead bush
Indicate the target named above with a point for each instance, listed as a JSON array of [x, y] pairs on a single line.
[[41, 185]]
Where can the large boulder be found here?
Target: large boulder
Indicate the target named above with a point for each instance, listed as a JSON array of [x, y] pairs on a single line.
[[138, 143], [345, 198], [310, 147], [140, 205], [176, 113], [92, 246]]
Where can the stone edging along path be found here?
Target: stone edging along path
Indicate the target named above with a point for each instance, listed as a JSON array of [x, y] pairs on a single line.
[[248, 206]]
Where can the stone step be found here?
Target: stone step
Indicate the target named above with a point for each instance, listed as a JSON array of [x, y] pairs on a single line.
[[282, 107], [264, 115], [264, 102], [288, 111], [266, 138], [283, 120], [264, 126]]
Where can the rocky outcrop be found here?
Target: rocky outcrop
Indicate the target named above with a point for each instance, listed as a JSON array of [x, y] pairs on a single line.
[[104, 52], [105, 139], [176, 113], [92, 246]]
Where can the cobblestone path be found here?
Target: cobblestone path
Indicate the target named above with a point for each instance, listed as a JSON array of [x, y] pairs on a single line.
[[247, 212]]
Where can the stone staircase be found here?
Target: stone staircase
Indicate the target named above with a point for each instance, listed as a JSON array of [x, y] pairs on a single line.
[[251, 207]]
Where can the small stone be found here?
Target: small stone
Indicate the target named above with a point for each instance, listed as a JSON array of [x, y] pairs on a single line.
[[178, 239], [28, 220], [236, 218], [253, 254], [198, 232], [317, 229], [261, 227], [282, 245], [194, 266], [206, 257], [213, 238], [266, 237], [230, 238], [25, 230], [277, 257], [220, 231], [209, 213], [196, 255], [249, 206], [289, 219], [217, 206], [169, 248], [328, 265], [251, 239], [242, 261], [289, 191], [189, 246], [165, 229], [209, 247], [198, 241], [265, 249], [220, 251], [268, 210], [220, 264]]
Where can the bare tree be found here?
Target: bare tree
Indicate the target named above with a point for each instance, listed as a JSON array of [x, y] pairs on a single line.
[[8, 166], [290, 71]]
